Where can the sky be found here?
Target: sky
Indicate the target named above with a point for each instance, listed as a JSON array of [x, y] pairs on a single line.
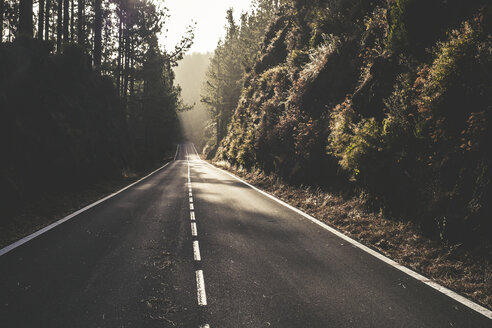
[[209, 16]]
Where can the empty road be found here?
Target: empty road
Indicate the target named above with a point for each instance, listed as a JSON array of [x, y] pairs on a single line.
[[190, 246]]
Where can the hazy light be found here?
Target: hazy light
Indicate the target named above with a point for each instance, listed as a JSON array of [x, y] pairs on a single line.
[[209, 16]]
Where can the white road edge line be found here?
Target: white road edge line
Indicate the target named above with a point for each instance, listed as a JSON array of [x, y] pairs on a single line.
[[461, 299], [200, 287], [196, 251], [24, 240], [177, 150]]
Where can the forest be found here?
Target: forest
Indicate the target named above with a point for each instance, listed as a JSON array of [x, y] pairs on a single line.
[[86, 93], [389, 101]]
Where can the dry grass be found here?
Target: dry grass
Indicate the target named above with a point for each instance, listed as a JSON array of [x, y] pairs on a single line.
[[463, 271]]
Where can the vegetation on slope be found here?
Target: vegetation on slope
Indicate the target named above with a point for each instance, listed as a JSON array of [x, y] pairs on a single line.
[[387, 98]]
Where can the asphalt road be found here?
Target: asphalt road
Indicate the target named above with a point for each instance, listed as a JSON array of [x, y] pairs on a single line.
[[191, 246]]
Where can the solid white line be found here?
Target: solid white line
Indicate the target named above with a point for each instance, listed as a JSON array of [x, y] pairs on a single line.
[[196, 251], [200, 287], [193, 229], [177, 149], [463, 300], [196, 151], [191, 207], [24, 240], [192, 216]]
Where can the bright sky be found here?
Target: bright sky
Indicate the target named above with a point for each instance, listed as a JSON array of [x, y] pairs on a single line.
[[209, 15]]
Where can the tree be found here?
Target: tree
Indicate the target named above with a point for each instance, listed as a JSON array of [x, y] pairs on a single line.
[[80, 22], [59, 26], [25, 18], [1, 19], [47, 20], [97, 32], [40, 19], [66, 17], [233, 58]]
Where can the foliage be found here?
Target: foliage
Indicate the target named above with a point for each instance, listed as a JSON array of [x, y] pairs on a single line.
[[388, 98], [233, 59], [67, 122], [85, 94]]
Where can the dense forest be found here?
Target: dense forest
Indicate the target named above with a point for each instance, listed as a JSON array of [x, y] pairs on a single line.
[[86, 92], [389, 100]]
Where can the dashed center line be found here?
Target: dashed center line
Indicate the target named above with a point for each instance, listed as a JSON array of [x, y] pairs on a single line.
[[200, 284], [193, 229], [196, 251], [200, 281]]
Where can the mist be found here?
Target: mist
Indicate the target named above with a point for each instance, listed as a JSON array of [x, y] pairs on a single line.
[[190, 74]]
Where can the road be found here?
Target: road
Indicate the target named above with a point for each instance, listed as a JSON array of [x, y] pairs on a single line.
[[190, 246]]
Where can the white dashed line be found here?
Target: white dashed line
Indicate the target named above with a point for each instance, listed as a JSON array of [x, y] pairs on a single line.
[[196, 251], [200, 287], [200, 281], [193, 229]]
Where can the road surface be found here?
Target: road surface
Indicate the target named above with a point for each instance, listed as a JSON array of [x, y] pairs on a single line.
[[190, 246]]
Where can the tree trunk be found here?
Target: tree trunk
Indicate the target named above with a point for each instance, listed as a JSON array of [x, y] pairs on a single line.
[[25, 18], [66, 5], [40, 19], [120, 49], [81, 23], [71, 21], [97, 32], [132, 78], [59, 26], [127, 65], [1, 20], [47, 20]]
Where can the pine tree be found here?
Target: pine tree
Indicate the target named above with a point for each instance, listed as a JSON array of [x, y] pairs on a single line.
[[25, 18]]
